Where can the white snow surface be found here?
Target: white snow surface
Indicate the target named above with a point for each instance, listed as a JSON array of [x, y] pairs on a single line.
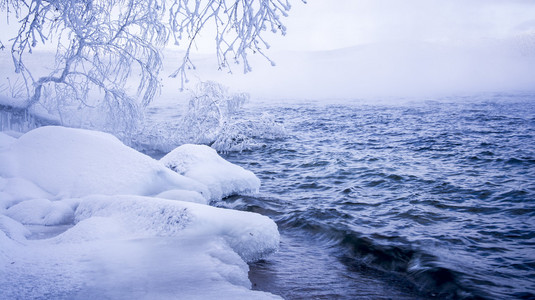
[[250, 235], [14, 190], [120, 225], [203, 164], [6, 140], [71, 162], [42, 212]]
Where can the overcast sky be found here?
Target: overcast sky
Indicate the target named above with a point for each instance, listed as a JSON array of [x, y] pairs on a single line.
[[333, 24], [475, 48], [405, 48], [327, 24]]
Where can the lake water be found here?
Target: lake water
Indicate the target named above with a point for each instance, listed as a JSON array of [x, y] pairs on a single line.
[[402, 201]]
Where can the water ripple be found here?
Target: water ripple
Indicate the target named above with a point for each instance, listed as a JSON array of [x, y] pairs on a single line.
[[439, 195]]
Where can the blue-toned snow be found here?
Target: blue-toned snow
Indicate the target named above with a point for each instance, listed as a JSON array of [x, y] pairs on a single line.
[[84, 216]]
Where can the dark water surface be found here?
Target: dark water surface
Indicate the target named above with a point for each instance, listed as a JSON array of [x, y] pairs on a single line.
[[406, 201]]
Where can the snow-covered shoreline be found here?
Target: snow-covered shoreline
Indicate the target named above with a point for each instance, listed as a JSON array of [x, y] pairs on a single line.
[[139, 230]]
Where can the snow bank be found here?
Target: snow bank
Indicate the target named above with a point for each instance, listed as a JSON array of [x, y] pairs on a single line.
[[251, 235], [152, 268], [69, 162], [132, 247], [203, 164], [123, 225]]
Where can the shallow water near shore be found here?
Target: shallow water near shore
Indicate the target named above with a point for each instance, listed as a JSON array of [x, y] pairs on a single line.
[[403, 201]]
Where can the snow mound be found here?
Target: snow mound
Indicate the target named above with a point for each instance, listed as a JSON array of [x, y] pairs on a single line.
[[12, 229], [93, 229], [42, 212], [15, 190], [251, 235], [71, 162], [203, 164]]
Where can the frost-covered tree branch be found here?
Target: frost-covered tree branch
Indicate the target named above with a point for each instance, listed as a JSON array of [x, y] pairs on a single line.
[[99, 44], [239, 26], [103, 45]]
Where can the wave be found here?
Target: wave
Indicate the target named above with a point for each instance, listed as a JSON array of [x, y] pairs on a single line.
[[451, 220], [383, 255]]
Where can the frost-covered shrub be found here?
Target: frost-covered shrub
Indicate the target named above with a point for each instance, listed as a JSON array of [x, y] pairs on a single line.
[[209, 108], [214, 117], [119, 116], [239, 134]]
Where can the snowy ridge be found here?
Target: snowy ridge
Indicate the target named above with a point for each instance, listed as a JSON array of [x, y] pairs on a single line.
[[121, 220]]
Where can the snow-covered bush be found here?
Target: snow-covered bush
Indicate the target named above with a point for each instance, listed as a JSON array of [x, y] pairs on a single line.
[[214, 117], [246, 134], [210, 108]]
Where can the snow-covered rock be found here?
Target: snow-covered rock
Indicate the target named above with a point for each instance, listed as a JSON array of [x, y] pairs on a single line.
[[203, 164], [250, 235], [184, 267], [71, 162], [181, 195]]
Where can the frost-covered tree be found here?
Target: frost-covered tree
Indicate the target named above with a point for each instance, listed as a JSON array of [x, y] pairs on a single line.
[[210, 107], [213, 117], [103, 46]]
